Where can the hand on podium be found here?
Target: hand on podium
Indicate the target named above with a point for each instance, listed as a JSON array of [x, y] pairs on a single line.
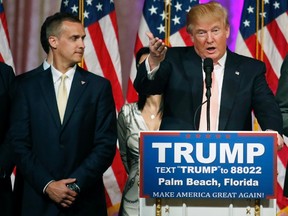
[[280, 140]]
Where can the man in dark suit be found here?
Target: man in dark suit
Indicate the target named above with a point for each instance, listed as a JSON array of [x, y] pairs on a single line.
[[281, 95], [18, 184], [282, 99], [63, 158], [6, 159], [180, 78]]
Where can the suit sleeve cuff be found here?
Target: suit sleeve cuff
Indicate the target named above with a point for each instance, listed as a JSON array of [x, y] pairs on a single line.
[[151, 73], [44, 189]]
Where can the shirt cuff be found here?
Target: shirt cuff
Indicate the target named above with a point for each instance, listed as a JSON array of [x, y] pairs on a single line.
[[44, 189], [151, 73]]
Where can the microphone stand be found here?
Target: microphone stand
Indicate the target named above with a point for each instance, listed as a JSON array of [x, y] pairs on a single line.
[[208, 69], [208, 96]]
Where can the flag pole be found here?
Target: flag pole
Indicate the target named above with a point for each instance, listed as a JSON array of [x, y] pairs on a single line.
[[262, 30], [158, 206], [81, 18], [259, 57], [257, 29], [167, 11], [167, 7], [256, 126]]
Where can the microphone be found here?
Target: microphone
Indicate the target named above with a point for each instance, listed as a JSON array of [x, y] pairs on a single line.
[[208, 69]]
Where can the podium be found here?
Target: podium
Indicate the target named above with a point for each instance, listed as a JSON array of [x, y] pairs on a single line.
[[208, 173]]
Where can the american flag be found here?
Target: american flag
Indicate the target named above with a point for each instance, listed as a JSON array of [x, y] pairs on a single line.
[[5, 52], [263, 35], [166, 20], [102, 57]]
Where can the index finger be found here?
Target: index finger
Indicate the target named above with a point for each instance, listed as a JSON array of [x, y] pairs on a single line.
[[150, 35]]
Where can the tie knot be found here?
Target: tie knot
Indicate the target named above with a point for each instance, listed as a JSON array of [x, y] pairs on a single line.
[[63, 77]]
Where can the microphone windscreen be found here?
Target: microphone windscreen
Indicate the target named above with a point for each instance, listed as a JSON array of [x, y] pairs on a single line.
[[208, 65]]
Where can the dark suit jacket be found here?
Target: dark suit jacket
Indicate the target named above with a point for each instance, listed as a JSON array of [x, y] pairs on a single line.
[[83, 147], [244, 89], [19, 181], [282, 99], [6, 159], [282, 94]]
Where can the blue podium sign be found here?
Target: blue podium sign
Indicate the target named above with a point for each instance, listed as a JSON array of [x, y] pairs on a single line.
[[201, 165]]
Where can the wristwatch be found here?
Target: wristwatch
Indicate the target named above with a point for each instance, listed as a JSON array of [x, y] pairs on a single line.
[[74, 187]]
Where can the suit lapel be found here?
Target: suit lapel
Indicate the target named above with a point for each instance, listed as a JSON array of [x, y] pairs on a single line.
[[231, 82], [78, 86], [48, 90], [193, 69]]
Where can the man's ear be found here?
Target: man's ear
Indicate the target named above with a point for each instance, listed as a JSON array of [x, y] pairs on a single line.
[[192, 37], [53, 41]]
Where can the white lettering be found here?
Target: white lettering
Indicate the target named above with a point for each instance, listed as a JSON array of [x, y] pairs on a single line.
[[161, 150], [200, 153], [227, 153], [254, 149], [183, 149]]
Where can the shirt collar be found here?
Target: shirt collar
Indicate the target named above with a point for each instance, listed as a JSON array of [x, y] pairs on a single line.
[[46, 65], [57, 74], [222, 60]]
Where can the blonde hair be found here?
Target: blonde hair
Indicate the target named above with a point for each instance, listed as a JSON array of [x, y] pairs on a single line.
[[211, 10]]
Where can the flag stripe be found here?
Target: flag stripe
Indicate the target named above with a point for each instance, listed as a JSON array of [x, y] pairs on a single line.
[[109, 181], [5, 51], [186, 37], [278, 38], [111, 43], [177, 40], [132, 95], [281, 163], [271, 76], [105, 62], [181, 38], [90, 58], [113, 19], [275, 68], [1, 58], [4, 24]]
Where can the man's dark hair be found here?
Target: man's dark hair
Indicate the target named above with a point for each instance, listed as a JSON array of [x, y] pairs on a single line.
[[141, 98], [48, 26], [43, 37], [140, 52]]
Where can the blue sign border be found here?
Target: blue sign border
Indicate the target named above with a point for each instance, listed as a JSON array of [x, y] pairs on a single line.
[[193, 164]]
